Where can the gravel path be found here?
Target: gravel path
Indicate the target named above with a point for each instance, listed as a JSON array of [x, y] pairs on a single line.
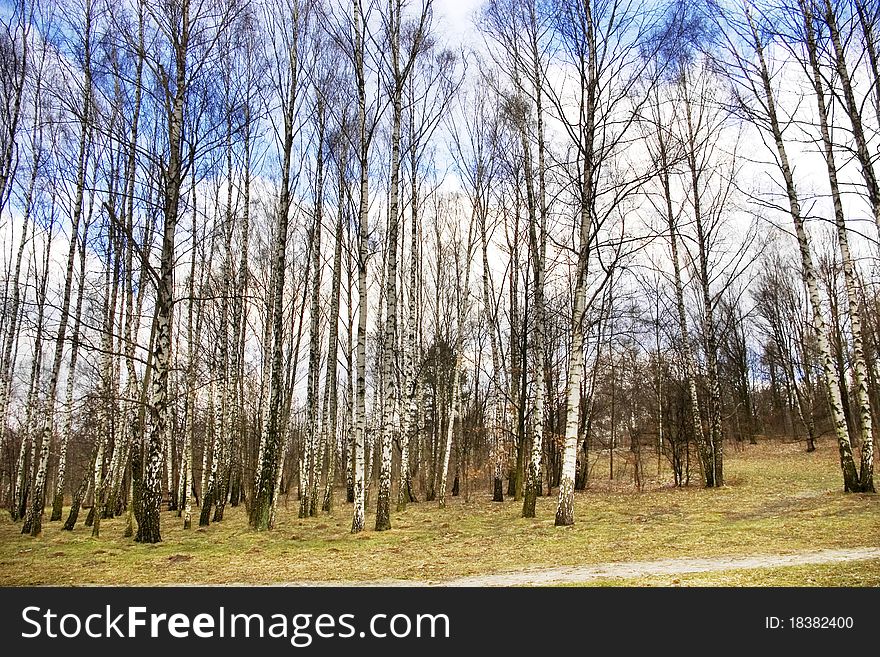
[[625, 569], [631, 569]]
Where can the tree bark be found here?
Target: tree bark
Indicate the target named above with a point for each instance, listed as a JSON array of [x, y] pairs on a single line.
[[850, 476], [357, 523], [866, 478]]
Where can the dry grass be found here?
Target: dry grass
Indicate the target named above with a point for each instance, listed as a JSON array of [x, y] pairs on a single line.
[[853, 573], [778, 499]]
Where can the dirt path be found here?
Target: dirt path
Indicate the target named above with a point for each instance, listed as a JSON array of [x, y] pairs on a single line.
[[628, 569]]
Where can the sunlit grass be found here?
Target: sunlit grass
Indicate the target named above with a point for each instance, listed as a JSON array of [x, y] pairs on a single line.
[[778, 499], [851, 573]]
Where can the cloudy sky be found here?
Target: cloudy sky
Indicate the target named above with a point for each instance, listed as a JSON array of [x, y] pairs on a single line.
[[455, 19]]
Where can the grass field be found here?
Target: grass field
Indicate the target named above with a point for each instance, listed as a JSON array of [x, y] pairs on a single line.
[[857, 573], [778, 499]]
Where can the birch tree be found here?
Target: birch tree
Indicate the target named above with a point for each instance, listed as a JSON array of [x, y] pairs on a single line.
[[432, 85], [866, 477], [287, 57], [464, 244], [595, 120], [665, 154], [754, 88], [403, 55], [520, 32]]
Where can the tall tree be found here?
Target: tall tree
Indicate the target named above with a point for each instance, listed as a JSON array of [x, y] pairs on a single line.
[[287, 57], [403, 54], [754, 88]]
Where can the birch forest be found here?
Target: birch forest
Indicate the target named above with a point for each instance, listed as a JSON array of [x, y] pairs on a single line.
[[342, 258]]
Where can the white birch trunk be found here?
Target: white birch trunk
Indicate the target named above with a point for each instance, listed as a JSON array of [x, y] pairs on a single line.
[[866, 479], [850, 476], [357, 523], [450, 427]]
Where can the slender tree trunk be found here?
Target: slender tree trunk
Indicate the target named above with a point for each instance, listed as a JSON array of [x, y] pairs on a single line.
[[409, 433], [454, 412], [869, 24], [239, 331], [350, 468], [715, 443], [186, 496], [536, 248], [13, 311], [383, 502], [685, 343], [76, 502], [215, 417], [854, 113], [357, 523], [27, 452], [850, 476], [226, 343], [269, 465], [309, 499], [329, 423], [866, 479], [108, 385], [494, 398], [58, 499], [565, 504], [148, 528], [19, 69]]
